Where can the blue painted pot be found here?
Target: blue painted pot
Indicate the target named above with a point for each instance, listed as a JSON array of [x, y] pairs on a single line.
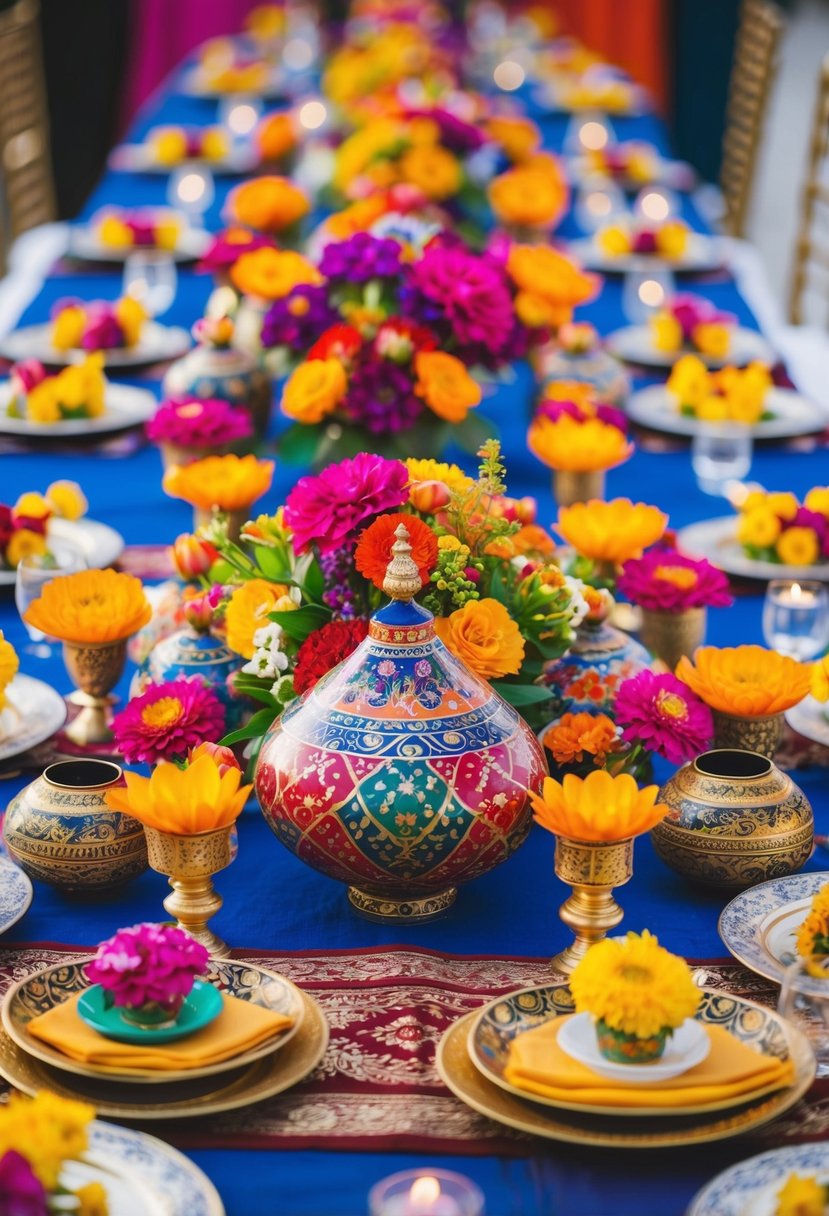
[[187, 654]]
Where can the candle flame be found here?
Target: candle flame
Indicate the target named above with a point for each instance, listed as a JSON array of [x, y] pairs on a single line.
[[424, 1191]]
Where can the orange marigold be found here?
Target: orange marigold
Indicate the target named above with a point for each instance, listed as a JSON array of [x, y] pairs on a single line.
[[748, 681], [267, 204], [577, 735], [373, 552], [90, 607], [224, 483]]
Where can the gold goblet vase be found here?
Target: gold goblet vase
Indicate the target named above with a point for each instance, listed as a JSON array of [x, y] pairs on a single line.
[[571, 486], [592, 869], [670, 635], [189, 862], [95, 668]]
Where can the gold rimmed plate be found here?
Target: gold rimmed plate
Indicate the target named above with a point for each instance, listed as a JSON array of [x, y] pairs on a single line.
[[461, 1076], [504, 1019], [184, 1099], [759, 926], [45, 989]]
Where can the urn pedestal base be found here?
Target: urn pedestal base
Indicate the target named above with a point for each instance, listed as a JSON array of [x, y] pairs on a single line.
[[390, 909]]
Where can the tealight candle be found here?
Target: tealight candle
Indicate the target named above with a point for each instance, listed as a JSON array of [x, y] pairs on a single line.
[[239, 115], [796, 618], [645, 292], [655, 204], [432, 1193]]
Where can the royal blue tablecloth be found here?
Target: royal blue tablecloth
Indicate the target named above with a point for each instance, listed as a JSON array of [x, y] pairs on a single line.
[[272, 901]]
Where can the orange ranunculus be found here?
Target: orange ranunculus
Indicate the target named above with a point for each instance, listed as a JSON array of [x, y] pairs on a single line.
[[748, 681], [550, 284], [519, 137], [530, 196], [373, 552], [314, 390], [484, 636], [272, 273], [276, 136], [445, 385], [575, 736], [533, 539], [580, 447], [225, 483], [597, 807], [248, 609], [611, 531], [90, 607], [267, 204], [432, 169], [183, 801]]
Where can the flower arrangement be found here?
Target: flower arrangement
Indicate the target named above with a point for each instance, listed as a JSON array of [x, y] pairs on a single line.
[[813, 934], [76, 392], [167, 720], [98, 326], [203, 796], [148, 967], [38, 1137], [692, 323], [777, 528], [632, 160], [120, 228], [24, 527], [598, 807], [188, 424], [747, 681], [223, 483], [580, 436], [802, 1195], [9, 665], [270, 205], [172, 145], [225, 249], [597, 88], [605, 535], [637, 993], [730, 395], [91, 607], [530, 198], [668, 240], [663, 580], [224, 69], [376, 63]]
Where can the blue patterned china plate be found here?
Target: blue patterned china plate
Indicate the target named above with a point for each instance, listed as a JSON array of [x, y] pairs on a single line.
[[750, 1187], [201, 1007], [15, 893], [505, 1018], [759, 925]]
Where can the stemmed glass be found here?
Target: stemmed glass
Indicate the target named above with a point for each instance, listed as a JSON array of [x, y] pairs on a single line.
[[645, 292], [721, 455], [33, 572], [796, 618], [804, 1001], [150, 277]]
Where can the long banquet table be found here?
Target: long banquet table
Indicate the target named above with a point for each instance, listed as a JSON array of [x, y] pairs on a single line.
[[326, 1144]]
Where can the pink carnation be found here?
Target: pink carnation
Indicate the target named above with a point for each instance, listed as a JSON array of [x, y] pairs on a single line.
[[148, 963], [664, 716], [663, 580], [471, 291], [327, 510], [167, 720], [193, 423]]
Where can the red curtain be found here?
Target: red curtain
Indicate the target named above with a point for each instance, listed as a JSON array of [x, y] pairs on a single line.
[[630, 33]]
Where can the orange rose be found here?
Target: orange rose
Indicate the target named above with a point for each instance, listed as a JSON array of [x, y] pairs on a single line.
[[267, 204], [445, 385], [272, 273], [314, 390], [531, 196], [485, 637], [550, 284]]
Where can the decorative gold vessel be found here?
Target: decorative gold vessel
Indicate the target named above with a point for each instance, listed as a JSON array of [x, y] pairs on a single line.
[[570, 486], [190, 863], [670, 635], [61, 830], [592, 869], [760, 735], [95, 668], [734, 820]]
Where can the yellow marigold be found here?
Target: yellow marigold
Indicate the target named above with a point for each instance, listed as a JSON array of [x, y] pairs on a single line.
[[89, 607], [690, 381], [9, 665], [67, 499], [92, 1200], [314, 390], [759, 528], [225, 483], [68, 327], [818, 500], [198, 798], [550, 283], [437, 470], [47, 1130], [581, 447], [597, 807], [611, 531], [433, 169], [445, 385], [672, 238], [783, 503], [798, 546], [748, 681], [485, 637], [666, 331], [32, 505], [24, 543], [114, 233], [358, 217], [614, 240], [168, 145], [271, 274], [130, 315], [519, 137], [248, 610], [801, 1196], [712, 338], [530, 195], [813, 934], [635, 986], [576, 736], [267, 204]]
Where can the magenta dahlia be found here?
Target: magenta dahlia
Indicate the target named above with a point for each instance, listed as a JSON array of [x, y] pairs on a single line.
[[327, 510], [167, 720], [470, 293], [195, 423], [148, 962], [663, 715], [663, 580]]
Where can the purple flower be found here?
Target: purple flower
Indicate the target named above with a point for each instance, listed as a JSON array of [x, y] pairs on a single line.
[[298, 319], [192, 423], [228, 246], [360, 258], [337, 570], [381, 397], [457, 135], [21, 1191], [143, 231], [690, 311], [467, 292], [148, 962], [328, 510], [804, 518], [102, 332]]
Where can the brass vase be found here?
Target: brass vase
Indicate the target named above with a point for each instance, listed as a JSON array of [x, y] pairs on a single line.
[[570, 487], [670, 635], [592, 869], [235, 520], [761, 735], [95, 668], [190, 862]]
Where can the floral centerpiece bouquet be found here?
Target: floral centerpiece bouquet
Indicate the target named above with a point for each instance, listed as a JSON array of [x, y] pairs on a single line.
[[266, 278], [187, 428], [277, 137], [24, 527], [730, 395], [78, 391], [668, 240], [604, 535], [101, 325], [138, 228], [378, 55], [579, 438], [631, 161], [170, 146], [693, 324], [775, 527], [575, 355]]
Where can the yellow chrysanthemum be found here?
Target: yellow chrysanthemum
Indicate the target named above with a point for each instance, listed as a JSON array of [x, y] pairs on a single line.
[[813, 934], [798, 546], [198, 798], [89, 607], [68, 327], [712, 338], [67, 499], [24, 543], [672, 238], [437, 470], [47, 1130], [9, 664], [758, 528], [801, 1196], [818, 500], [611, 531], [224, 483], [597, 807], [690, 381], [666, 332], [748, 681], [635, 985], [432, 169], [130, 315], [569, 444], [92, 1200], [248, 610]]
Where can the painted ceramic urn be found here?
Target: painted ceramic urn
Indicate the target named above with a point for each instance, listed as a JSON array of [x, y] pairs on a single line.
[[191, 654], [401, 773], [215, 370]]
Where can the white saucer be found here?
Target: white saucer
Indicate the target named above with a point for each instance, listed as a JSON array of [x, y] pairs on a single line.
[[686, 1047]]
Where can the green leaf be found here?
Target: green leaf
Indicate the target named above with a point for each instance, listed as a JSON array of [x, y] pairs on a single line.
[[309, 577], [257, 726], [519, 695], [300, 444], [473, 431], [257, 692], [272, 565], [300, 622]]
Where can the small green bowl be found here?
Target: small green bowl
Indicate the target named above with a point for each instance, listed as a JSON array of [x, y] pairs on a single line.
[[200, 1008]]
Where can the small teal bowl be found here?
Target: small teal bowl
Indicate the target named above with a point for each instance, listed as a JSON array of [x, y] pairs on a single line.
[[200, 1008]]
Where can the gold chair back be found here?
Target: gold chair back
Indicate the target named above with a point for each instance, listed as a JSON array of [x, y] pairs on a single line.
[[755, 64], [811, 256]]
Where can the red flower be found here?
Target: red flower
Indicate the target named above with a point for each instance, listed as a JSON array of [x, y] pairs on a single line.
[[325, 648], [339, 342]]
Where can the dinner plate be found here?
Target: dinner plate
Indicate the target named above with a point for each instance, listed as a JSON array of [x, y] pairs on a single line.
[[676, 174], [716, 539], [750, 1187], [142, 1176], [461, 1076], [503, 1019], [809, 719], [124, 407], [181, 1099], [157, 344], [702, 254], [759, 925], [35, 712], [100, 545], [139, 158], [634, 344], [15, 893], [85, 244], [686, 1047], [554, 97], [656, 408], [45, 989]]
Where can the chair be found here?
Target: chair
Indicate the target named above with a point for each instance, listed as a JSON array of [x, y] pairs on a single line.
[[755, 64], [811, 256], [25, 160]]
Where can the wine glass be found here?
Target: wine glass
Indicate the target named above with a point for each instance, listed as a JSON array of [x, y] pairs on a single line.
[[646, 291], [804, 1001], [720, 455], [33, 572], [796, 618], [150, 277]]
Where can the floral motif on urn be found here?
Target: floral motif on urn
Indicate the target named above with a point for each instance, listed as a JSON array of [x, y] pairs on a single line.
[[190, 654], [401, 773], [588, 676]]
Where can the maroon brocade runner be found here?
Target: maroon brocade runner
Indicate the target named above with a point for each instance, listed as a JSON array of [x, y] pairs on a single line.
[[377, 1089]]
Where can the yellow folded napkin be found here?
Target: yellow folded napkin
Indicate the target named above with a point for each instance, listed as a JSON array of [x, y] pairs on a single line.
[[239, 1027], [731, 1070]]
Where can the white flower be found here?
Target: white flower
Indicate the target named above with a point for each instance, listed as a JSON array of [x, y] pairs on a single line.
[[579, 607]]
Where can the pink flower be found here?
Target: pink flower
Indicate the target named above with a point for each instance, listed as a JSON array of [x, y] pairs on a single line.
[[167, 720], [26, 375], [103, 330], [664, 716], [21, 1191], [148, 963], [471, 291], [327, 510], [663, 580], [223, 756], [193, 423]]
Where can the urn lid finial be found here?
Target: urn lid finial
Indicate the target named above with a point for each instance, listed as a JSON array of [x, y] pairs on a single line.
[[402, 581]]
